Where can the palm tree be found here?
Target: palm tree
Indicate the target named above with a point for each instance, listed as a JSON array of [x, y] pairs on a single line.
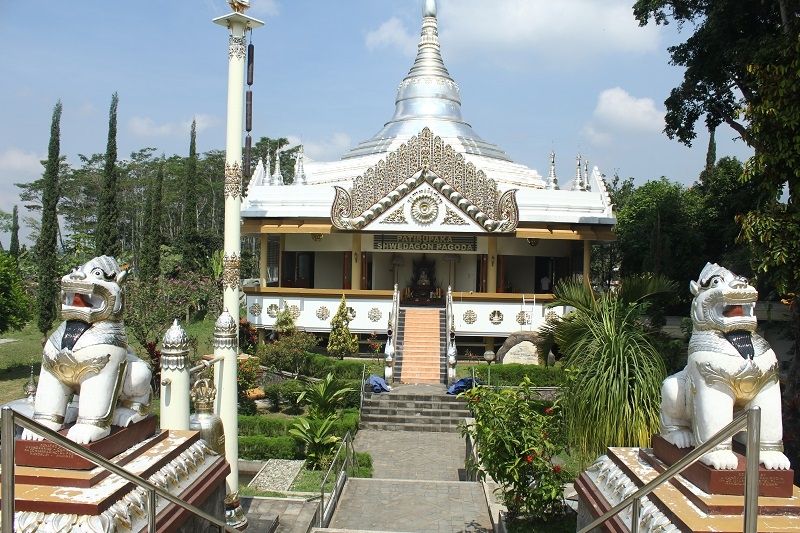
[[615, 370]]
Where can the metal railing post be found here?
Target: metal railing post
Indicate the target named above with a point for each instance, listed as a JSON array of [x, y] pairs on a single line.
[[7, 464], [151, 508], [635, 512], [751, 470]]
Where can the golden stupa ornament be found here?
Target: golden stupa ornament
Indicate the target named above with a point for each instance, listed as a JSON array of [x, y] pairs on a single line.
[[239, 6], [204, 420]]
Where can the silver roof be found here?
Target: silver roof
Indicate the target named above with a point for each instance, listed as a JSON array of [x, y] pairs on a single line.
[[428, 96]]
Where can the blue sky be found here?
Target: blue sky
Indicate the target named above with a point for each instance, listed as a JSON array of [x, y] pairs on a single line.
[[535, 75]]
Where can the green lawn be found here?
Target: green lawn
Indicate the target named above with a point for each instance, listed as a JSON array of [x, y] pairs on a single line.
[[16, 359]]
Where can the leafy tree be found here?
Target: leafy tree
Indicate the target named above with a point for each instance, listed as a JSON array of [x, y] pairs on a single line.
[[48, 289], [14, 306], [607, 256], [658, 230], [266, 148], [290, 353], [341, 343], [107, 233], [729, 36], [14, 246], [613, 394]]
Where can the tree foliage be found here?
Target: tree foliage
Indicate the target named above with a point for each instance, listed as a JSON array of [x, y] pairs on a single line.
[[14, 306], [107, 235], [13, 247], [729, 36], [341, 343], [47, 262]]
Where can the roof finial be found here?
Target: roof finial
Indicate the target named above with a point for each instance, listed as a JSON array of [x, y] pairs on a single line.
[[299, 170], [429, 9], [586, 185], [277, 177], [578, 185], [552, 180]]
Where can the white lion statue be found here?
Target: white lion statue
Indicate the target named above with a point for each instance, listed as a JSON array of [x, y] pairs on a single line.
[[88, 355], [730, 367]]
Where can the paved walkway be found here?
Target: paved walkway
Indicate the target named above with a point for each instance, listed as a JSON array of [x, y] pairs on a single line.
[[413, 455], [296, 516]]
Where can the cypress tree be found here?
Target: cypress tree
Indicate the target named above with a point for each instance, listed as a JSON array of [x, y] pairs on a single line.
[[46, 244], [711, 152], [151, 252], [106, 237], [341, 343], [188, 235], [14, 247]]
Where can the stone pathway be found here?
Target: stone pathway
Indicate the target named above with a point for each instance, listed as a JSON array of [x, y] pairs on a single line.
[[277, 474], [295, 516], [414, 488]]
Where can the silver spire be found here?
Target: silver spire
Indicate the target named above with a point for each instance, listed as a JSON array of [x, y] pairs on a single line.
[[586, 185], [428, 96], [552, 180], [299, 171], [578, 184], [267, 172], [277, 177]]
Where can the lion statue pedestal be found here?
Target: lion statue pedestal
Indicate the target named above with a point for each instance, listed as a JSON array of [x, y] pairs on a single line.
[[729, 368], [88, 357]]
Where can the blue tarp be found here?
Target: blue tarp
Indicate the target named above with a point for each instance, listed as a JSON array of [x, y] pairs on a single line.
[[463, 384], [377, 384]]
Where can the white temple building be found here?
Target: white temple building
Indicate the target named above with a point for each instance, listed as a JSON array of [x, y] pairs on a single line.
[[425, 204]]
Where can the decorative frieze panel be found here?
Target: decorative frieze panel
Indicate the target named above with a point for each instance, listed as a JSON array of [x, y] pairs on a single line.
[[470, 316], [425, 158], [272, 310], [233, 180], [255, 309], [374, 314], [398, 217], [496, 317], [323, 313], [236, 47], [230, 271]]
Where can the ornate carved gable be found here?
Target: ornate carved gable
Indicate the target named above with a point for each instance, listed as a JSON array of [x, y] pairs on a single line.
[[425, 158]]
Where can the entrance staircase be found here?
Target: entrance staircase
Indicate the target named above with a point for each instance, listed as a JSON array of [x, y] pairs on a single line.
[[413, 408], [421, 345]]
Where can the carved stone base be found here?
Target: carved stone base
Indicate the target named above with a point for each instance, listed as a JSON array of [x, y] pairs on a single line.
[[46, 454], [177, 461], [675, 506], [777, 483]]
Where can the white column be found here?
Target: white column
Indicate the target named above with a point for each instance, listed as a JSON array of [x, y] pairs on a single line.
[[175, 378], [237, 24]]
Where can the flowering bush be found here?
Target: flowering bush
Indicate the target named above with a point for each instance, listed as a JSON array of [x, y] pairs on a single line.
[[375, 345], [517, 436]]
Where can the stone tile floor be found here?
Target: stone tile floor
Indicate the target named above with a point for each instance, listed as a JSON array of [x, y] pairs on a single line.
[[295, 516]]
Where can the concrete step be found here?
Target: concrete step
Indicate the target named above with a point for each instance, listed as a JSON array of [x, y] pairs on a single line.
[[399, 419], [444, 399], [411, 411], [380, 426]]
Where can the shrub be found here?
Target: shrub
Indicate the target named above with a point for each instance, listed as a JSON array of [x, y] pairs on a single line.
[[259, 448], [323, 397], [363, 462], [247, 378], [513, 374], [517, 441], [290, 353], [341, 343], [284, 322], [348, 422], [287, 392], [317, 438], [352, 400], [320, 365], [262, 425]]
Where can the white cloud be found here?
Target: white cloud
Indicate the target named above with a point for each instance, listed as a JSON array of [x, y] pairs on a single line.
[[392, 34], [563, 30], [147, 127], [324, 149], [619, 113], [617, 109], [16, 163]]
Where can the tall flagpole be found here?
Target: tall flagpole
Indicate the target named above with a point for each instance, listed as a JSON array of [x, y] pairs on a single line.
[[225, 372]]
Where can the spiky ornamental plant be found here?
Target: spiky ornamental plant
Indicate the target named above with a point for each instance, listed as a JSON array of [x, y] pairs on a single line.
[[106, 235], [613, 394], [46, 244], [341, 342]]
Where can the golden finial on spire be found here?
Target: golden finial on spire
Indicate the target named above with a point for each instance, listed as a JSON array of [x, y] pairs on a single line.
[[239, 6]]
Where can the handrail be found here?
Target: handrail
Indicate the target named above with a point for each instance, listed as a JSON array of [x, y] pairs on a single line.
[[450, 333], [391, 335], [347, 445], [750, 420], [8, 418], [363, 386]]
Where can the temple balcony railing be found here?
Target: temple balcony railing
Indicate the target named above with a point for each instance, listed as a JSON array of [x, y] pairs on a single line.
[[474, 313], [313, 309]]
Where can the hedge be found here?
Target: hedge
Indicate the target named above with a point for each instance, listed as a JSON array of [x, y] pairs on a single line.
[[285, 391], [364, 462], [512, 374], [259, 448], [278, 426]]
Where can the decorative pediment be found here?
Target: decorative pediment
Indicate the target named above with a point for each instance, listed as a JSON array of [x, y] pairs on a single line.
[[424, 209], [425, 158]]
